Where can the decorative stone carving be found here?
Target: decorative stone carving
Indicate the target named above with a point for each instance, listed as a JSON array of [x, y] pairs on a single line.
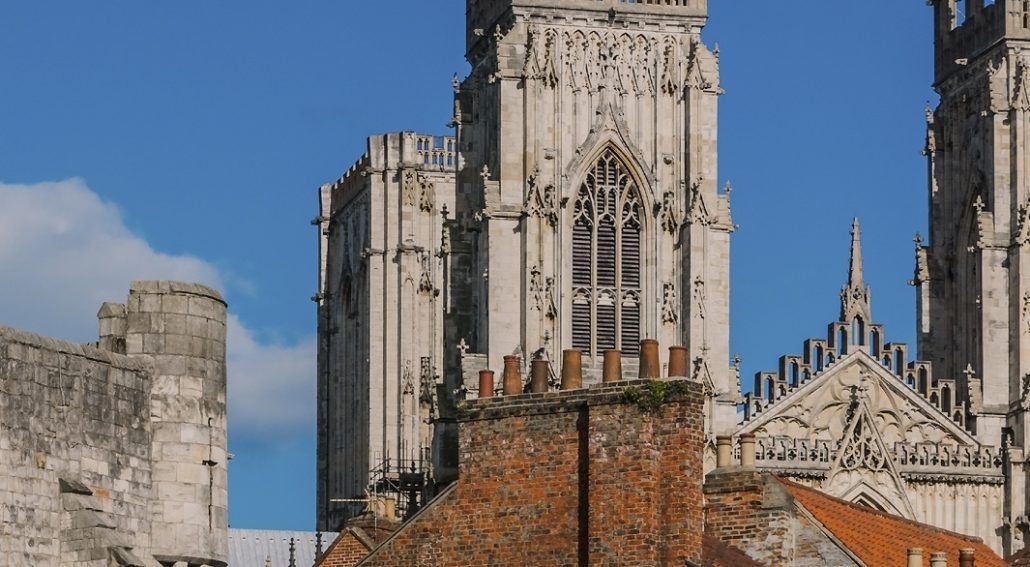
[[427, 194], [409, 184], [668, 213], [427, 381], [670, 67], [552, 304], [695, 74], [541, 200], [670, 304], [425, 281], [1022, 233], [1026, 312], [699, 296], [698, 210], [1021, 85], [536, 288], [541, 57]]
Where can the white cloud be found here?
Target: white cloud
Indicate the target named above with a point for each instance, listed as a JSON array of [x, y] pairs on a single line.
[[271, 386], [64, 251]]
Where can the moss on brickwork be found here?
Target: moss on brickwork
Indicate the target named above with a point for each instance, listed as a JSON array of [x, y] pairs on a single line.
[[652, 395]]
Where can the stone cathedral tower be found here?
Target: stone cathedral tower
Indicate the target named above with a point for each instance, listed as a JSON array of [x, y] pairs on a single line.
[[973, 278], [576, 207], [974, 275], [586, 184]]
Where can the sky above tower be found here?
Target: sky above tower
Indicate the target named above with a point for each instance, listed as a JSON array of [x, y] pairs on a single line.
[[187, 140]]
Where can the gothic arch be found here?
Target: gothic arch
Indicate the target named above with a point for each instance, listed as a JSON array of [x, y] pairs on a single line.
[[610, 277]]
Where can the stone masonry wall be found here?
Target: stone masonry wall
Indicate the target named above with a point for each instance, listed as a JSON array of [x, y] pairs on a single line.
[[578, 477], [115, 454], [78, 413]]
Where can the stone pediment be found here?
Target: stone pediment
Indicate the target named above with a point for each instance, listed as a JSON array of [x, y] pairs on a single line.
[[818, 410]]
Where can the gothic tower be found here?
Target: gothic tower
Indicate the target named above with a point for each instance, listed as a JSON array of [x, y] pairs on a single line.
[[974, 275], [587, 186], [973, 278]]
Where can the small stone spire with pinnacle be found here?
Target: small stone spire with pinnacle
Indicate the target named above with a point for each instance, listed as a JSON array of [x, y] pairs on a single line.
[[854, 297]]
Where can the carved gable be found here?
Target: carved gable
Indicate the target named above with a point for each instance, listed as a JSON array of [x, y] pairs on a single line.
[[819, 409]]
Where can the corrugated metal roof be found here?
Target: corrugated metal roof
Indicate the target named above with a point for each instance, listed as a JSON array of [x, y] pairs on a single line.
[[258, 548]]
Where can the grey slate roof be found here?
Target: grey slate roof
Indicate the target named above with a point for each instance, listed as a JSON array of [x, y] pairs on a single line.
[[253, 548]]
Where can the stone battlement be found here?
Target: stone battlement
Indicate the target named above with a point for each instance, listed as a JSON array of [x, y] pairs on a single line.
[[115, 452]]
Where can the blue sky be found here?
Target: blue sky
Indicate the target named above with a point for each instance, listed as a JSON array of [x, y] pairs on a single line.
[[187, 140]]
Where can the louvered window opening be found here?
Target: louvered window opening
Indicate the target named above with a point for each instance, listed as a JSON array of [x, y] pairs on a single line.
[[606, 260]]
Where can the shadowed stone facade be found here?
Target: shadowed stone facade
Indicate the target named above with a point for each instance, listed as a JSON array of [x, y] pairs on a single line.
[[114, 453]]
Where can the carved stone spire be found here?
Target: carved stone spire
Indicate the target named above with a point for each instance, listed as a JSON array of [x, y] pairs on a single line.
[[855, 267], [854, 297]]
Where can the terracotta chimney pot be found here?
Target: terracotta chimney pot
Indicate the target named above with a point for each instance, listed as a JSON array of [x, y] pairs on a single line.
[[540, 372], [512, 375], [571, 370], [650, 365], [612, 371], [967, 557], [678, 362], [938, 559], [486, 383], [915, 557]]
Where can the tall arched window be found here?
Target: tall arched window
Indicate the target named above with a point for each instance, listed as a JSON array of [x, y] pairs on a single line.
[[606, 260]]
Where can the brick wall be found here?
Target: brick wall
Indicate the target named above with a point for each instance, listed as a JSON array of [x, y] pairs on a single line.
[[346, 551], [752, 511], [579, 477]]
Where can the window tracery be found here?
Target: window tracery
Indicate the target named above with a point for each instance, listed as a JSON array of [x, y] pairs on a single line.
[[606, 242]]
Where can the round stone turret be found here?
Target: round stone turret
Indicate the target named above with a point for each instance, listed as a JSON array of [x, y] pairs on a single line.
[[181, 327]]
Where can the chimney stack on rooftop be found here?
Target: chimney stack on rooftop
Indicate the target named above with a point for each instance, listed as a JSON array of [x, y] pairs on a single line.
[[967, 557], [915, 557], [938, 559]]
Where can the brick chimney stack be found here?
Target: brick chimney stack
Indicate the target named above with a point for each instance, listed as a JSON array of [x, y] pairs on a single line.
[[602, 475]]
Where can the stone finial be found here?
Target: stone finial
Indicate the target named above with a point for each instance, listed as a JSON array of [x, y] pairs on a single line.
[[854, 297], [293, 552], [855, 268]]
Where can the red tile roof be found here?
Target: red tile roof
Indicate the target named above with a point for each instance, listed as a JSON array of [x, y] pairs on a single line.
[[878, 538], [717, 553]]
